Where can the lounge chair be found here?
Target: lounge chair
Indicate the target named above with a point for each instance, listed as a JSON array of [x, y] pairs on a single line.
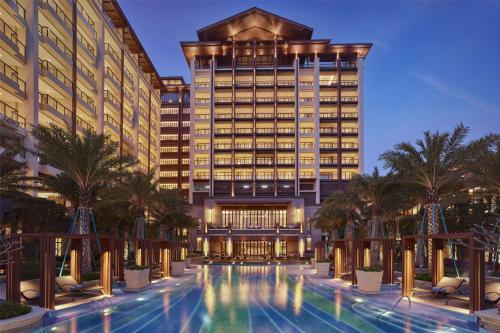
[[491, 294], [444, 288], [68, 284], [30, 290]]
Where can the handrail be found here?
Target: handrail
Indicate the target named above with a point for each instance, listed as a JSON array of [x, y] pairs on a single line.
[[12, 74], [21, 10], [11, 113], [81, 66], [52, 102], [129, 135], [112, 52], [110, 120], [59, 11], [86, 98], [46, 65], [12, 35], [127, 93], [108, 71], [46, 32], [243, 115], [113, 99], [86, 16], [86, 43]]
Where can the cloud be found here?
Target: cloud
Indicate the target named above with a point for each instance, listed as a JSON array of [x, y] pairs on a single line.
[[474, 101]]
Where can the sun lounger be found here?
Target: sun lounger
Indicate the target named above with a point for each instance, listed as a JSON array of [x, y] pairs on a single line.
[[30, 291], [491, 294], [69, 285], [444, 288]]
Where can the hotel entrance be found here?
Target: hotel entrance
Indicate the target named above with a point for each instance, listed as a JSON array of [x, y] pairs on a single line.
[[254, 249]]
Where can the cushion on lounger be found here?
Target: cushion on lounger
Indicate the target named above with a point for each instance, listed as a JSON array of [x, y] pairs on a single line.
[[492, 292], [67, 283], [438, 290], [30, 289], [449, 284]]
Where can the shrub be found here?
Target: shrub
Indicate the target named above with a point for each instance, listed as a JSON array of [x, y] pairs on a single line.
[[136, 268], [423, 277], [11, 310], [323, 260], [371, 269], [91, 276]]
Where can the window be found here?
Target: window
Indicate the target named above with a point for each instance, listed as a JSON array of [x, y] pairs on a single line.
[[254, 218], [170, 124], [169, 111], [169, 186], [169, 136], [173, 149], [168, 161], [169, 174]]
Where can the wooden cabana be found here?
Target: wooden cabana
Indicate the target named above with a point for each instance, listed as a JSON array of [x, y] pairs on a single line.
[[151, 252], [476, 265]]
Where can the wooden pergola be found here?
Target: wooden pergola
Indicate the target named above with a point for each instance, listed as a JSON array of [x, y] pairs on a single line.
[[150, 252], [476, 265], [360, 254]]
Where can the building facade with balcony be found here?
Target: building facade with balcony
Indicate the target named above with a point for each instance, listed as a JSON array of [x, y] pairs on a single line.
[[174, 135], [276, 126], [77, 64]]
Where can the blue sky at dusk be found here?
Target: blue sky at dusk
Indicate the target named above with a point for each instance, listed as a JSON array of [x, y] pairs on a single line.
[[433, 64]]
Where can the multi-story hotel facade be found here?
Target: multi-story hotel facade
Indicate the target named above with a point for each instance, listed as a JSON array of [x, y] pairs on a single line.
[[174, 135], [276, 126], [77, 64]]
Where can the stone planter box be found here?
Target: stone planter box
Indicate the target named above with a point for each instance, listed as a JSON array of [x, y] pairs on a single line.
[[25, 323], [313, 263], [137, 279], [177, 268], [188, 262], [369, 281], [490, 319], [322, 269]]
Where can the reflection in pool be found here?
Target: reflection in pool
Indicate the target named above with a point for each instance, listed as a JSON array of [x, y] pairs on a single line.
[[257, 299]]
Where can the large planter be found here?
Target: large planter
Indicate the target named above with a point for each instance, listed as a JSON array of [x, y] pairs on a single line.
[[188, 262], [322, 269], [177, 268], [313, 263], [369, 281], [137, 279], [23, 324]]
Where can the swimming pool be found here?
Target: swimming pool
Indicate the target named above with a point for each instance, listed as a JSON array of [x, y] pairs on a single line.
[[256, 299]]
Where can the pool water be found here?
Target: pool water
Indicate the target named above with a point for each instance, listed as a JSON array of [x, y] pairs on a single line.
[[256, 299]]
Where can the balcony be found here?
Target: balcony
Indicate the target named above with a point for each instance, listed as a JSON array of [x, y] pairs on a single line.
[[223, 100], [286, 146], [350, 162], [82, 124], [264, 84], [243, 100], [86, 19], [11, 81], [223, 117], [223, 131], [109, 51], [306, 84], [264, 100], [328, 161], [285, 100], [243, 84], [242, 146], [264, 131], [87, 47], [264, 116], [328, 131], [143, 131], [217, 147], [202, 85], [242, 131], [57, 16], [264, 146], [112, 100], [286, 116], [87, 74], [328, 146], [328, 100], [350, 146], [347, 131], [349, 115], [349, 99], [202, 101], [286, 83], [56, 76], [57, 47], [16, 10], [113, 78], [328, 116], [114, 124], [9, 39], [286, 131], [143, 95], [223, 84], [128, 76], [243, 116], [285, 161], [50, 104], [128, 97], [10, 116], [334, 83], [130, 139], [86, 101]]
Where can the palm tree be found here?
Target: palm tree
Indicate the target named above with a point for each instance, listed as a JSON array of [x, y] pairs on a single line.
[[434, 168], [484, 163], [171, 212], [13, 178], [88, 162], [139, 189], [375, 191]]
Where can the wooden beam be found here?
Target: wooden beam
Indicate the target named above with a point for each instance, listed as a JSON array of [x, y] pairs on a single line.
[[47, 271], [76, 260], [339, 257], [408, 280], [107, 265], [388, 261], [437, 263], [476, 276], [118, 260], [14, 271]]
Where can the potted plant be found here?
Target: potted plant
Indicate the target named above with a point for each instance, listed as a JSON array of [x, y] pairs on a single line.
[[322, 267], [177, 263], [369, 278], [137, 277]]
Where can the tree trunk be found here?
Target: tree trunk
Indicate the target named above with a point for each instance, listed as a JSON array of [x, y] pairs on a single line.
[[432, 216], [139, 227], [83, 228], [163, 231], [375, 225]]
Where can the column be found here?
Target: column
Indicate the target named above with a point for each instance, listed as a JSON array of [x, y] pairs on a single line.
[[360, 67], [388, 261], [76, 259], [47, 271], [13, 271], [437, 260], [408, 280], [339, 257], [317, 118], [296, 66], [338, 64], [476, 276], [99, 103], [118, 258], [107, 265]]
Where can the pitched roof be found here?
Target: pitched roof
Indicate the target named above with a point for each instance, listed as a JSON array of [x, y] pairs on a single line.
[[255, 22]]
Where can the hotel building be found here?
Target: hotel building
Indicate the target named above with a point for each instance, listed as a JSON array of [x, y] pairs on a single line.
[[276, 126], [174, 135], [77, 64]]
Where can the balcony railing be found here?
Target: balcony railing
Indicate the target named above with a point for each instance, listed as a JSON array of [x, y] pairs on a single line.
[[129, 136], [264, 146], [111, 121], [109, 50], [264, 100], [85, 70], [285, 99], [54, 104], [223, 83], [265, 115], [12, 115], [86, 44], [287, 130], [324, 115], [283, 83], [286, 115], [202, 85], [243, 83], [84, 124], [12, 74], [243, 100], [223, 116], [86, 16], [109, 73], [286, 146], [12, 35], [264, 83], [242, 146], [328, 146], [327, 130], [128, 94], [59, 11], [349, 130], [108, 96], [202, 101], [264, 130], [49, 67], [243, 115], [240, 131], [349, 115], [47, 33], [21, 11], [86, 99], [143, 112]]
